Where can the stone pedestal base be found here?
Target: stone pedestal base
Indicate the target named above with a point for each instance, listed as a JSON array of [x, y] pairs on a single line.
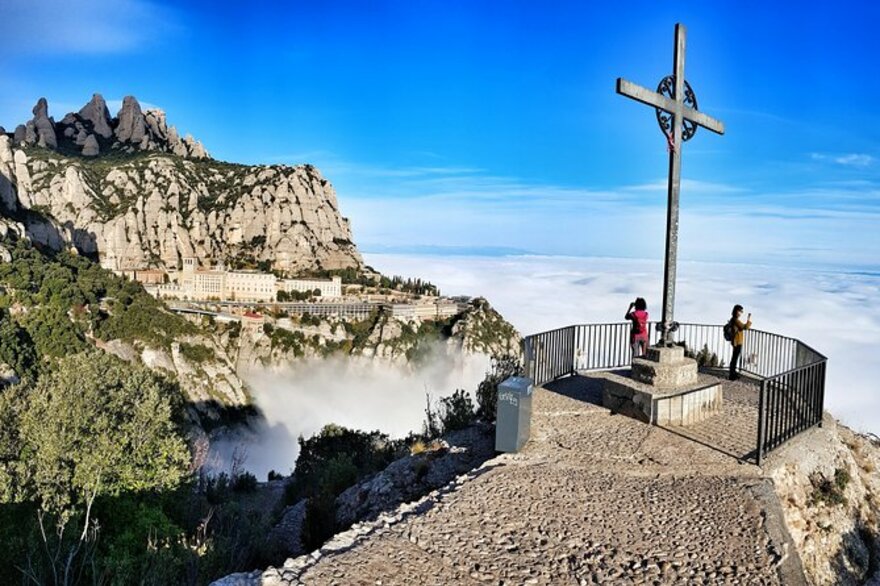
[[665, 368], [664, 389], [681, 406]]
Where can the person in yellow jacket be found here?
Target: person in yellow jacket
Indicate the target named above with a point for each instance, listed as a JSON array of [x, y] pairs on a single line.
[[738, 327]]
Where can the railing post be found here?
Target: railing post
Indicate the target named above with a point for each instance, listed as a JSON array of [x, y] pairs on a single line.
[[573, 350], [822, 366], [762, 427]]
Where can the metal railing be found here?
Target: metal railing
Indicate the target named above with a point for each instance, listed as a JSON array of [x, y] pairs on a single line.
[[792, 374]]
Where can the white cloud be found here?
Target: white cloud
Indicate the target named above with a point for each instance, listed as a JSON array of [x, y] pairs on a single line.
[[93, 27], [848, 160], [689, 185], [837, 313]]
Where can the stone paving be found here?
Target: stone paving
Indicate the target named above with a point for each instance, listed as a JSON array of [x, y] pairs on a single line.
[[592, 498], [735, 429]]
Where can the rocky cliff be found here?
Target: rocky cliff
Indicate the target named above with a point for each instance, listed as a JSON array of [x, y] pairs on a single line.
[[129, 191], [478, 329]]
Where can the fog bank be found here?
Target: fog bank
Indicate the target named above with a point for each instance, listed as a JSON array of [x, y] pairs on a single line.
[[354, 392]]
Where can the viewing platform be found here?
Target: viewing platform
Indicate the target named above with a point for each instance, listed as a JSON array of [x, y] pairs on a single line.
[[781, 391]]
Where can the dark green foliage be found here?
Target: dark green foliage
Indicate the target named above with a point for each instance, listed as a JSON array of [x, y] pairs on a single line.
[[353, 276], [53, 332], [450, 414], [244, 482], [17, 348], [69, 296], [196, 353], [502, 368], [334, 477], [328, 463], [135, 316], [456, 411], [288, 341], [90, 431]]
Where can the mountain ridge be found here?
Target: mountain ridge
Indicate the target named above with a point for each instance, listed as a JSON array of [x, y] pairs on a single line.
[[147, 198]]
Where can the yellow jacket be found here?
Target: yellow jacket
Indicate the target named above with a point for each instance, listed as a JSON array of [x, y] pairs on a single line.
[[740, 328]]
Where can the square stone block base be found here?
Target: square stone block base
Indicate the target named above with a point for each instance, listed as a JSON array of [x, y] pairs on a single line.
[[685, 405], [665, 368]]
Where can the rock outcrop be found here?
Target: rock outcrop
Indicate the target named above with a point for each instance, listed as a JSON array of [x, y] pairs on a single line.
[[132, 127], [41, 129], [132, 130], [98, 115], [165, 201], [828, 481]]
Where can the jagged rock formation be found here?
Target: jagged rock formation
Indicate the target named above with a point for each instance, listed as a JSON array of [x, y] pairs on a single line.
[[162, 198], [97, 113], [130, 131]]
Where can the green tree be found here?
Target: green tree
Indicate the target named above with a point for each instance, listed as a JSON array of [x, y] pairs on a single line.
[[95, 426]]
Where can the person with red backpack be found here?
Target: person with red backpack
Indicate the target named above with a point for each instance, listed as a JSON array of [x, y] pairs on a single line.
[[733, 333], [638, 336]]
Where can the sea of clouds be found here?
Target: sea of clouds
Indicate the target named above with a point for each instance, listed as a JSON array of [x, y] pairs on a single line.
[[837, 313], [834, 312]]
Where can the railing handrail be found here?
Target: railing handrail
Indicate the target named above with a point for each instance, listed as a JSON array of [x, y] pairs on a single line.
[[794, 370], [792, 373], [819, 357]]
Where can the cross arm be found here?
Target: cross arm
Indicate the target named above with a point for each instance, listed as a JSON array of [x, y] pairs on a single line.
[[652, 98]]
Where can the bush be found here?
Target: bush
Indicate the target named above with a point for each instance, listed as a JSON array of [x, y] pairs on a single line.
[[244, 482], [328, 463], [830, 491], [502, 368], [335, 476], [196, 353], [452, 413], [704, 357], [456, 411]]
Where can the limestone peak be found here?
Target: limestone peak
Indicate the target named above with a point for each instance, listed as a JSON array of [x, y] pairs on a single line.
[[92, 132]]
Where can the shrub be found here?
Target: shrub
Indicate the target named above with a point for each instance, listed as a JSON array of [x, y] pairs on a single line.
[[457, 411], [196, 353], [244, 482], [829, 491], [502, 368]]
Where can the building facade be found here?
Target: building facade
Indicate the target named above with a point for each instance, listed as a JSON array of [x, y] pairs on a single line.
[[331, 289]]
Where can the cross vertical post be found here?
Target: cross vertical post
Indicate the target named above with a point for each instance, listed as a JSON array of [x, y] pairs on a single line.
[[677, 114], [673, 192]]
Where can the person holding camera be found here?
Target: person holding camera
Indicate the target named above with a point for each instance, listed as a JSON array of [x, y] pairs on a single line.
[[738, 328], [637, 314]]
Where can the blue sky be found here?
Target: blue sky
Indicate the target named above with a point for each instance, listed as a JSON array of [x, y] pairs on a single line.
[[495, 125]]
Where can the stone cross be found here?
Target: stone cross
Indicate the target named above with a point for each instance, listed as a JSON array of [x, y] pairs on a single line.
[[676, 107]]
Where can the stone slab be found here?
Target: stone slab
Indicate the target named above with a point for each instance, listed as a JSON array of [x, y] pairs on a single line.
[[665, 354], [666, 374], [686, 405]]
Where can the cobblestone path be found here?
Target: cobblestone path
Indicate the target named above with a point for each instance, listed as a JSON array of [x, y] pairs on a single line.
[[592, 498], [734, 430]]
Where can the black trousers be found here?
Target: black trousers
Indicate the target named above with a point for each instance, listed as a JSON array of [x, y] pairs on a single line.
[[734, 361]]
